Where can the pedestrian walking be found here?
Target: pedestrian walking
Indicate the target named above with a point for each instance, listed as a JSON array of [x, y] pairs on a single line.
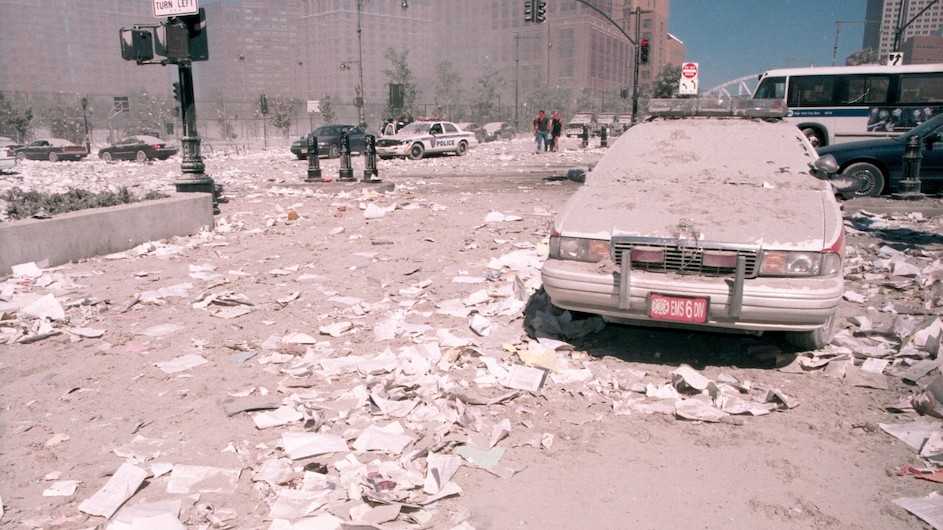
[[556, 129], [541, 130]]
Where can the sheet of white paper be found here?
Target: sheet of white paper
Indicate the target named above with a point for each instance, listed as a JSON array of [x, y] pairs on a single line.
[[374, 438], [304, 444], [119, 488], [202, 479]]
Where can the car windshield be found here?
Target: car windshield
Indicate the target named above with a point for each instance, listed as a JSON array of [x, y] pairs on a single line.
[[414, 128], [924, 128]]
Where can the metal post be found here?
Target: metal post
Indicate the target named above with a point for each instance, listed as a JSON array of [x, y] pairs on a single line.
[[370, 172], [603, 136], [88, 142], [314, 168], [910, 171], [346, 173], [193, 179]]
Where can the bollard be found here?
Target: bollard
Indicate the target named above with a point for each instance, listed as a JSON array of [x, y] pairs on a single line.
[[314, 168], [346, 172], [603, 136], [370, 173], [909, 185], [585, 136]]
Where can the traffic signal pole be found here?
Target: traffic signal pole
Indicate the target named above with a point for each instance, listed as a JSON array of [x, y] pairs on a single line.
[[193, 179], [635, 45]]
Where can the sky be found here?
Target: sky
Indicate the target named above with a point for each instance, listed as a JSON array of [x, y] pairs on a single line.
[[730, 39]]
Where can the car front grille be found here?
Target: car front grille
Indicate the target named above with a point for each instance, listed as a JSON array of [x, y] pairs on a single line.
[[684, 257], [387, 143]]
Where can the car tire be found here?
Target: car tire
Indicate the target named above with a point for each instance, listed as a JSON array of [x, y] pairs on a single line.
[[813, 340], [302, 157], [105, 156], [416, 152], [334, 151], [461, 149], [140, 156], [20, 157], [53, 157], [869, 179]]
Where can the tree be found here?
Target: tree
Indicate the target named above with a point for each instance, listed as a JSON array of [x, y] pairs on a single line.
[[150, 112], [401, 74], [327, 110], [666, 84], [448, 89], [14, 119], [550, 99], [483, 105], [280, 110], [66, 121]]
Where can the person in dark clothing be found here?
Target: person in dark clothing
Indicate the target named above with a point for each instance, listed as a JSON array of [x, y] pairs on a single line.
[[541, 130], [556, 129]]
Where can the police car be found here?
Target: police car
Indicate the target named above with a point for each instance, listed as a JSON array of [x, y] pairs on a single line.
[[424, 137]]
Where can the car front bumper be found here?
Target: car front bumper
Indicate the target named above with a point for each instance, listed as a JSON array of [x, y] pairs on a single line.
[[393, 150], [757, 304]]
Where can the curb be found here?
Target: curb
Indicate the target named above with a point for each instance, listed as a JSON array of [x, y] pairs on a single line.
[[100, 231]]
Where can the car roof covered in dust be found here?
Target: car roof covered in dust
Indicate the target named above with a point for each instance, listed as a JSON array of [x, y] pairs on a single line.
[[736, 180], [709, 151]]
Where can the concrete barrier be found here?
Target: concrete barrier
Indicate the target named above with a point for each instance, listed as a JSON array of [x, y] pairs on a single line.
[[99, 231]]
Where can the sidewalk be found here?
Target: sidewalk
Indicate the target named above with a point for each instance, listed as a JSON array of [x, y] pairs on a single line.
[[931, 206]]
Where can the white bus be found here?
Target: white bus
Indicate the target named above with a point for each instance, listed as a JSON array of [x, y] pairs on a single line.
[[845, 103]]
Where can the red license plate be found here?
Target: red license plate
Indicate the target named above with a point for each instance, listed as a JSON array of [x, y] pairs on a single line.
[[677, 308]]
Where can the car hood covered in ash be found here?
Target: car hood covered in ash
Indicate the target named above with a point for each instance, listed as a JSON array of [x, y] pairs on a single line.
[[699, 179]]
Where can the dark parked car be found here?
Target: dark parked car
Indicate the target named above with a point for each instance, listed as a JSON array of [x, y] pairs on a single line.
[[140, 147], [499, 130], [51, 149], [473, 128], [329, 141], [875, 166]]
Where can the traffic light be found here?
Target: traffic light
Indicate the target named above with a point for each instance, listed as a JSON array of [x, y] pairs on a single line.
[[137, 45], [176, 91], [540, 11], [528, 10], [198, 43], [643, 51], [263, 105]]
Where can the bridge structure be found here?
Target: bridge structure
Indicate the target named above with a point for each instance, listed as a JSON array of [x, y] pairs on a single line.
[[741, 87]]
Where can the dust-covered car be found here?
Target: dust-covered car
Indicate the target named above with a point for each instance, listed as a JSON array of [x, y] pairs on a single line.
[[574, 127], [140, 147], [7, 153], [421, 138], [51, 149], [499, 130], [473, 127], [724, 222]]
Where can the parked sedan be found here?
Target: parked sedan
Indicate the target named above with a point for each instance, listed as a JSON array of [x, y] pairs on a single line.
[[51, 149], [420, 138], [721, 222], [473, 127], [140, 147], [7, 153], [874, 167], [499, 130], [329, 141]]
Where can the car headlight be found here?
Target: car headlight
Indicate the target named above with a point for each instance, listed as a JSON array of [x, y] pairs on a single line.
[[579, 249], [778, 263]]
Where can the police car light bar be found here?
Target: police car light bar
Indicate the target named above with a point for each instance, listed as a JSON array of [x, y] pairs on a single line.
[[724, 106]]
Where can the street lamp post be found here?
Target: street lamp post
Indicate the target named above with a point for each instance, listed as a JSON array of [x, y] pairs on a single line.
[[88, 142], [361, 91]]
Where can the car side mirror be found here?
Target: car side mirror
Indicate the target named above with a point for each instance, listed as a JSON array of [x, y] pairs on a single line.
[[825, 165]]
